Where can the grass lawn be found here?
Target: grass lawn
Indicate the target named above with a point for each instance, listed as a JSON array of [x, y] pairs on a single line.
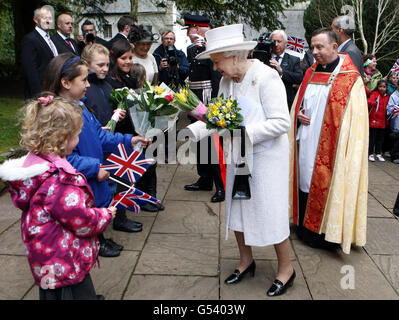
[[9, 124]]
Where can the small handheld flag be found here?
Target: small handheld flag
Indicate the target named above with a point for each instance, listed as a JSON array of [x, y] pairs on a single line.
[[127, 162], [295, 44], [132, 199]]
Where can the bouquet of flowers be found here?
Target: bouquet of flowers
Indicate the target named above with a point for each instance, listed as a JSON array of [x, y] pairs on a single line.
[[119, 99], [223, 114], [155, 101], [187, 101]]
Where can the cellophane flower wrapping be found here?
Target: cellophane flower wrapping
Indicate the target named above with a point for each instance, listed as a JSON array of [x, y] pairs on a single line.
[[152, 108]]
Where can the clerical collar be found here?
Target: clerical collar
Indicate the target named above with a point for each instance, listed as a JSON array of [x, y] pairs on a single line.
[[329, 68]]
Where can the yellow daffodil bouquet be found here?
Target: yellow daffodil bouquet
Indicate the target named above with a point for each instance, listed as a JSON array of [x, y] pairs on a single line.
[[187, 101], [223, 114]]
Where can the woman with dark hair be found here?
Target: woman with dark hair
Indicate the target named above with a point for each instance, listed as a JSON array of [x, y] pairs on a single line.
[[371, 74], [121, 61]]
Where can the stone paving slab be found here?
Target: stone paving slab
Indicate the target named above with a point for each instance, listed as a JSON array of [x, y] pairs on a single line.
[[388, 167], [11, 241], [9, 213], [187, 217], [134, 240], [16, 277], [379, 175], [180, 254], [376, 209], [382, 236], [386, 194], [112, 278], [255, 288], [156, 287], [186, 175], [389, 265], [322, 271]]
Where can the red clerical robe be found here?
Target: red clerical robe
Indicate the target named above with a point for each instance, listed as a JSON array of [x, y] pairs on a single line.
[[337, 201]]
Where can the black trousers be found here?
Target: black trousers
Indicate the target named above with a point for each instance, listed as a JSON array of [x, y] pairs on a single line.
[[80, 291], [376, 139], [209, 172], [395, 145]]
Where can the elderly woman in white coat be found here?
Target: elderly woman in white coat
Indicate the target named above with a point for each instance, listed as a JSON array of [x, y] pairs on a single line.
[[262, 220]]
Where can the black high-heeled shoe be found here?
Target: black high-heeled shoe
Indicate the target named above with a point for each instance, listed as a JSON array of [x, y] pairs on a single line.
[[278, 287], [236, 276]]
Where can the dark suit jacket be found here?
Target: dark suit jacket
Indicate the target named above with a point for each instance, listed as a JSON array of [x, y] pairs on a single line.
[[36, 55], [62, 46], [355, 54], [292, 74], [118, 36]]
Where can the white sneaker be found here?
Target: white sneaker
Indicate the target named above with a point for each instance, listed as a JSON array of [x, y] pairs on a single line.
[[380, 158], [396, 161], [371, 158]]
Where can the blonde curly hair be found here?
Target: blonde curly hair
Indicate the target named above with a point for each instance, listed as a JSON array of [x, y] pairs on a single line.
[[46, 129]]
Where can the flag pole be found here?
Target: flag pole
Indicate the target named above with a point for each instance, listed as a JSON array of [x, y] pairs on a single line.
[[120, 182]]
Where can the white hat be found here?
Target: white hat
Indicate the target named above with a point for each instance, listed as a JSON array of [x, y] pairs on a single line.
[[225, 38]]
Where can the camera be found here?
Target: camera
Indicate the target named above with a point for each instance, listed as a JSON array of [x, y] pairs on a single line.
[[264, 48], [89, 37], [172, 57]]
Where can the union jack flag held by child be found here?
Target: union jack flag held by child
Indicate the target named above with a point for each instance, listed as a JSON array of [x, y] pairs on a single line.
[[395, 68], [126, 162], [133, 200]]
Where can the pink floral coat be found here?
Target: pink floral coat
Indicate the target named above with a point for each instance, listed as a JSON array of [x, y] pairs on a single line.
[[59, 224]]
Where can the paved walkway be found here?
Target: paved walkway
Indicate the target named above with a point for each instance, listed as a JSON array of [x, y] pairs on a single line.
[[182, 254]]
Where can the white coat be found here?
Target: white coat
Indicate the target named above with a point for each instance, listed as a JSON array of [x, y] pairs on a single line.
[[264, 219]]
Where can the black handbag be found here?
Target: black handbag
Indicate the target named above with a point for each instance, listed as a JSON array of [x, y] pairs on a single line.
[[241, 189]]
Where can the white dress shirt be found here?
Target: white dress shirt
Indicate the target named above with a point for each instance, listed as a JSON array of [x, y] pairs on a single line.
[[46, 38]]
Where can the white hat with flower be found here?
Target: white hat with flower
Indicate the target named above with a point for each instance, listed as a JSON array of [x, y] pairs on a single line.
[[226, 38]]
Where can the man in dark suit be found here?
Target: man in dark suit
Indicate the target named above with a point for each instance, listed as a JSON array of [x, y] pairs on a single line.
[[344, 27], [37, 51], [288, 66], [204, 82], [89, 36], [124, 25], [61, 38]]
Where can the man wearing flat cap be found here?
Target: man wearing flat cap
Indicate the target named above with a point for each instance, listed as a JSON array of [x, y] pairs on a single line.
[[204, 82]]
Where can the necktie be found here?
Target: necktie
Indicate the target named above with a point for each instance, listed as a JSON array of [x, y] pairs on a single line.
[[51, 44], [277, 58], [68, 40]]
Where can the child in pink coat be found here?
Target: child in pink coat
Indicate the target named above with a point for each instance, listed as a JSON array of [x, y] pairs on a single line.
[[59, 223], [377, 102]]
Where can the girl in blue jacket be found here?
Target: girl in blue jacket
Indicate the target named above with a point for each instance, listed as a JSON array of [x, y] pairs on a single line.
[[66, 76]]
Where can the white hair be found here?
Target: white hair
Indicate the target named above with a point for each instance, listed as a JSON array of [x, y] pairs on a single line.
[[280, 32], [240, 54], [347, 23]]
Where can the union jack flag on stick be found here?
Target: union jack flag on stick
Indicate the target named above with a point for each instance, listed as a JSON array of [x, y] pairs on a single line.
[[127, 162], [295, 44], [132, 199], [395, 68]]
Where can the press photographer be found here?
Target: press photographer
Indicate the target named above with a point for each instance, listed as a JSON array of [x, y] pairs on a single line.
[[172, 63]]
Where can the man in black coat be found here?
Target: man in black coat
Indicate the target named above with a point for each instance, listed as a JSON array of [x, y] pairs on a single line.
[[89, 36], [124, 26], [61, 38], [37, 52], [204, 82], [288, 66], [344, 27]]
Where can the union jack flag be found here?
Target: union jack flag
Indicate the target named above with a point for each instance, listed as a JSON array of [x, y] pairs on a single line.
[[125, 162], [395, 68], [295, 44], [133, 200]]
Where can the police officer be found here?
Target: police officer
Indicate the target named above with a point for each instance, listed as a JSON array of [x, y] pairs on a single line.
[[204, 82]]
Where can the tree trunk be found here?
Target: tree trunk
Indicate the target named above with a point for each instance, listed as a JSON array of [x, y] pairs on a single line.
[[134, 8]]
